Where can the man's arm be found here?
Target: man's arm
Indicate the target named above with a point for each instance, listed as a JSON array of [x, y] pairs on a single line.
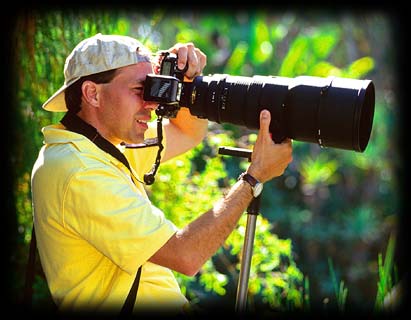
[[189, 248], [183, 133]]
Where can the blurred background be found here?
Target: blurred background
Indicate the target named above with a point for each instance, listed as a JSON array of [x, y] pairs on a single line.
[[327, 237]]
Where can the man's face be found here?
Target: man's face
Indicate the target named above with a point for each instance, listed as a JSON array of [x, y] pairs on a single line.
[[123, 113]]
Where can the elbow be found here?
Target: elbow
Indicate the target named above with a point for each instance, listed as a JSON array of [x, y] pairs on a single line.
[[189, 266], [199, 130], [200, 134], [190, 272], [199, 139], [204, 130]]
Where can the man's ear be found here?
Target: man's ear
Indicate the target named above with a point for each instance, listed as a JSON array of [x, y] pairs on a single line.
[[90, 93]]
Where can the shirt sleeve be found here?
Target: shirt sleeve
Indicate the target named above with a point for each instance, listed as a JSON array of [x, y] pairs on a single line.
[[105, 208]]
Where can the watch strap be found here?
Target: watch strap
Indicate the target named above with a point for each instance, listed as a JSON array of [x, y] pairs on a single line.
[[249, 178]]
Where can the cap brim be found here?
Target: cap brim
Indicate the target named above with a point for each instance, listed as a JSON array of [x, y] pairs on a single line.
[[57, 102]]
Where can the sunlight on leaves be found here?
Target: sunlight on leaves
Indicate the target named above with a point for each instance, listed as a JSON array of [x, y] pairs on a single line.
[[359, 68], [237, 58], [319, 170], [324, 40]]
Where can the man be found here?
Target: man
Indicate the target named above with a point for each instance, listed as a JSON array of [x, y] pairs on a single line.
[[94, 224]]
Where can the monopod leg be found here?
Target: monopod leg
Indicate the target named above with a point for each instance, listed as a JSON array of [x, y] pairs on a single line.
[[242, 288], [252, 212]]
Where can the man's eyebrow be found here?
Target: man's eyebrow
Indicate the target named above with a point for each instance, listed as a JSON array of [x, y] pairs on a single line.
[[139, 82]]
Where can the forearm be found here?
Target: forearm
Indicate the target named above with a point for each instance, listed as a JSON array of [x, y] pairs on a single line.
[[184, 132], [190, 125], [191, 247]]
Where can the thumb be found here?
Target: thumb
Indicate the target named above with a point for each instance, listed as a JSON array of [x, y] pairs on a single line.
[[265, 119]]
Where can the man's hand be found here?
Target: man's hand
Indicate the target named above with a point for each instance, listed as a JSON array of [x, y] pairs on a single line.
[[189, 55], [269, 160]]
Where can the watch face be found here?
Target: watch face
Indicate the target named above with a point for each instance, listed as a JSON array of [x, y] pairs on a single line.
[[257, 189]]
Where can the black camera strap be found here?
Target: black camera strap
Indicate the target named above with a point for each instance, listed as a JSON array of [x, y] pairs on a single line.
[[74, 123], [149, 176]]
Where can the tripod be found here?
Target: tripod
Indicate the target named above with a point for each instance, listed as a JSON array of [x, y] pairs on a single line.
[[252, 212]]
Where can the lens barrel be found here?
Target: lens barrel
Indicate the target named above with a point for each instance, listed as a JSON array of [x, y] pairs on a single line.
[[332, 112]]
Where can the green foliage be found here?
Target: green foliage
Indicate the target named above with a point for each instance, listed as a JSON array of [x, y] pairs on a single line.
[[319, 170], [274, 274], [327, 200], [308, 51], [340, 291], [388, 276]]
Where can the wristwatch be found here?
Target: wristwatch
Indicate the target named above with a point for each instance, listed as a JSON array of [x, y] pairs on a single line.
[[256, 186]]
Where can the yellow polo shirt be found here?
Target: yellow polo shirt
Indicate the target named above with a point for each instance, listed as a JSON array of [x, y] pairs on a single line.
[[95, 227]]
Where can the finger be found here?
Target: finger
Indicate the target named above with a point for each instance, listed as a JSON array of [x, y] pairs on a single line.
[[180, 50], [265, 119], [193, 63], [199, 61], [202, 58], [189, 57]]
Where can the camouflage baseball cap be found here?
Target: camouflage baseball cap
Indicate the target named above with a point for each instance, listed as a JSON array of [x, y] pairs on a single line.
[[97, 54]]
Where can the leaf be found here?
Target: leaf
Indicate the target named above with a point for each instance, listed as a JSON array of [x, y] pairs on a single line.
[[359, 68], [324, 40], [237, 59], [295, 54], [261, 48], [324, 69]]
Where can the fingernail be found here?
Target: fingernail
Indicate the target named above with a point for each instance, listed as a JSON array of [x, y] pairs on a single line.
[[264, 114]]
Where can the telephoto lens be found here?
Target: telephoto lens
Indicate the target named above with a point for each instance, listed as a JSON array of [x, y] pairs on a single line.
[[332, 112]]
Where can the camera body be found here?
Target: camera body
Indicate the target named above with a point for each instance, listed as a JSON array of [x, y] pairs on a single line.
[[166, 87]]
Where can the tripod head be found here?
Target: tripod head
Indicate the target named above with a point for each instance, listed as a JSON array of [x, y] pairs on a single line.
[[236, 152]]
